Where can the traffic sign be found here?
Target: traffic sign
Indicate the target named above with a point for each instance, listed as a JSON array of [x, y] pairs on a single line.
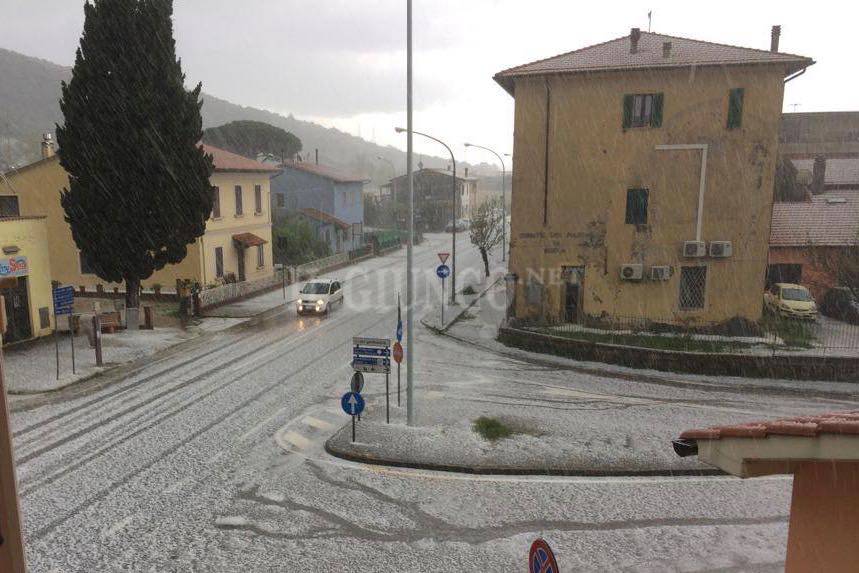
[[541, 559], [371, 351], [399, 331], [443, 271], [443, 257], [357, 383], [398, 352], [352, 403], [361, 341], [64, 300]]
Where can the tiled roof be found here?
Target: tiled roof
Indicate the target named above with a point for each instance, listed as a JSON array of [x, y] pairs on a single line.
[[615, 55], [830, 219], [325, 171], [325, 217], [227, 161], [805, 426], [249, 240], [839, 171]]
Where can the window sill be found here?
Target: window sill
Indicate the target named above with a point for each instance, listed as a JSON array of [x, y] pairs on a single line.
[[217, 218], [258, 214], [259, 268], [239, 216]]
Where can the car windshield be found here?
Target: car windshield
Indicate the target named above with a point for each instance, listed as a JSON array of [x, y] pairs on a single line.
[[797, 294], [315, 288]]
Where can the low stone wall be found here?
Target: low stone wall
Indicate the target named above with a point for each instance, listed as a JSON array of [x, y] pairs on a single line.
[[796, 367], [235, 291]]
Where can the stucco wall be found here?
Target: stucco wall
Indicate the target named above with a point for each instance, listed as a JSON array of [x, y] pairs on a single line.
[[592, 161], [30, 236]]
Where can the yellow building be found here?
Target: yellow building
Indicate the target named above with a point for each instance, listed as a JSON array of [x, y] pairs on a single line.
[[643, 179], [237, 242]]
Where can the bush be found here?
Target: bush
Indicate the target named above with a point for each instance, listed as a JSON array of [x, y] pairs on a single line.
[[840, 304], [296, 242], [469, 290], [491, 429]]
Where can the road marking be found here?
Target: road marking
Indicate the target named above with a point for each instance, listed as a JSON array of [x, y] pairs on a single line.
[[433, 395], [293, 438], [119, 526], [317, 423]]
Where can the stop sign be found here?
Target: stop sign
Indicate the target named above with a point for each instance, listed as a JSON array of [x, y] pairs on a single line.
[[398, 352]]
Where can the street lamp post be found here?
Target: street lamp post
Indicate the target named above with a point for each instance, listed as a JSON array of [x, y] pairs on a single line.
[[455, 195], [503, 199], [410, 348]]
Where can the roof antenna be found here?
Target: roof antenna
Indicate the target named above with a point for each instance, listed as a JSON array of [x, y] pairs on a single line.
[[649, 19]]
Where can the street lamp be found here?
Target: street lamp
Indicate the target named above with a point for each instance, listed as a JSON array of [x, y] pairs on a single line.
[[503, 198], [453, 248]]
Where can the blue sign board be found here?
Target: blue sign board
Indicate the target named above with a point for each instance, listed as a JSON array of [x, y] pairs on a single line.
[[371, 360], [352, 403], [362, 351], [399, 331], [64, 300], [443, 271]]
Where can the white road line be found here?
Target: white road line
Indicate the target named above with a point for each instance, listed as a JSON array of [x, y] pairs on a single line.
[[317, 423], [293, 438], [433, 395], [119, 526]]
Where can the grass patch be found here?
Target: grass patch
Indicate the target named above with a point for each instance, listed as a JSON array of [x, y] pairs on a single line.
[[468, 290], [491, 429], [683, 343], [794, 333]]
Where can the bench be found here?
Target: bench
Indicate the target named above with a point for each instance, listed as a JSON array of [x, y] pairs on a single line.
[[110, 322]]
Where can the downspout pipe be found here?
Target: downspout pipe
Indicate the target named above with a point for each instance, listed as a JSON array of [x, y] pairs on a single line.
[[704, 148]]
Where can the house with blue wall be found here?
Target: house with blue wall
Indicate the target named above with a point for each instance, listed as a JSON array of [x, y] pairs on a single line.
[[305, 187]]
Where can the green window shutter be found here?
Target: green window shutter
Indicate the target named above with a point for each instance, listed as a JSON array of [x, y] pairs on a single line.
[[656, 113], [735, 108], [627, 111]]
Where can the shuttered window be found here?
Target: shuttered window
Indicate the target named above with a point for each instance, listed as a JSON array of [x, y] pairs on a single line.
[[642, 110], [219, 262], [636, 206], [735, 108], [216, 203]]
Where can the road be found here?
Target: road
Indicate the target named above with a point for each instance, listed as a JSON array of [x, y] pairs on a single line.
[[210, 459]]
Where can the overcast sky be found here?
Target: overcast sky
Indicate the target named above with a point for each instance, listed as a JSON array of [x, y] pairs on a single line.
[[342, 62]]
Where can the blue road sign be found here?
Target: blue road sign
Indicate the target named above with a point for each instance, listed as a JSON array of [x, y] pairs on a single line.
[[363, 351], [443, 271], [352, 403], [64, 300], [371, 360], [399, 331]]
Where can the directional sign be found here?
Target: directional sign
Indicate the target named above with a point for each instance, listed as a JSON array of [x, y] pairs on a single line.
[[541, 559], [371, 351], [371, 355], [357, 384], [352, 403], [398, 352], [64, 300], [443, 257], [361, 341], [443, 271]]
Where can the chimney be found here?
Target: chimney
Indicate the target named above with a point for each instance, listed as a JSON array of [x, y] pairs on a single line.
[[317, 156], [666, 50], [774, 38], [466, 171], [818, 175], [47, 146], [634, 36]]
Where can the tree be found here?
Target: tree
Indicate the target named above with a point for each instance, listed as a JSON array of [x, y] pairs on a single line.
[[296, 242], [251, 138], [139, 190], [787, 187], [486, 229]]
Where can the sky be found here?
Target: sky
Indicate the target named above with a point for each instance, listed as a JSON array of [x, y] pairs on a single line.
[[342, 63]]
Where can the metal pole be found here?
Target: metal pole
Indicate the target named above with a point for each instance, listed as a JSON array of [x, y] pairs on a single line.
[[503, 212], [72, 338], [283, 279], [387, 398], [442, 304], [453, 250], [398, 384], [96, 327], [353, 429], [57, 344], [410, 350]]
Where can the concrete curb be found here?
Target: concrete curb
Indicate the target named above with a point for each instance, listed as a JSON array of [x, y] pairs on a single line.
[[459, 310], [336, 449]]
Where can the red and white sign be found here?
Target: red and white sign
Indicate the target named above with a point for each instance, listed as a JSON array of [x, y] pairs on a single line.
[[443, 257], [398, 352]]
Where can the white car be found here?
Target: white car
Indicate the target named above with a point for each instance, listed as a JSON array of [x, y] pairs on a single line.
[[318, 296]]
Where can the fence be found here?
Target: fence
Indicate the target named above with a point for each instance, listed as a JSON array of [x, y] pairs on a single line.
[[770, 335], [307, 270], [233, 291]]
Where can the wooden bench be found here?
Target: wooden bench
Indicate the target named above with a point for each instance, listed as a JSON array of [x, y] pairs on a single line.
[[110, 322]]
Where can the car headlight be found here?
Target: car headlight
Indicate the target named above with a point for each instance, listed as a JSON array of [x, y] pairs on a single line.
[[320, 302], [300, 302]]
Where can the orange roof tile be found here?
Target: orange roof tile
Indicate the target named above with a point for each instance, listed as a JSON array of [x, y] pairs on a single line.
[[830, 219], [228, 161], [325, 217], [846, 422]]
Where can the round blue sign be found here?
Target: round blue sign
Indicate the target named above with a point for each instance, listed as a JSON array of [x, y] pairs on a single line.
[[443, 271], [352, 403]]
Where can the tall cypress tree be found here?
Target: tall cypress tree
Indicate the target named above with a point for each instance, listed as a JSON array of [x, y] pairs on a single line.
[[139, 190]]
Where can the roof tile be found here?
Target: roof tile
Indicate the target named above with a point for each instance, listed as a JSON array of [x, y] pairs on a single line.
[[228, 161], [829, 219], [844, 422]]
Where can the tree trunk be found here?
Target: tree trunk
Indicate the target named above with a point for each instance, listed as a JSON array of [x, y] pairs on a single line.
[[132, 302], [485, 257]]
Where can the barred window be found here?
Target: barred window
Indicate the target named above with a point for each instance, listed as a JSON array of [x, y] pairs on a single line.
[[533, 292], [693, 282]]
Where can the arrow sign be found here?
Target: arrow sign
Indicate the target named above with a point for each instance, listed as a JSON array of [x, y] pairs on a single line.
[[352, 403], [443, 257]]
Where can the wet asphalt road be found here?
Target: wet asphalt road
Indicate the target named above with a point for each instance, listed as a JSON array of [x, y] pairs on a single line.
[[210, 458]]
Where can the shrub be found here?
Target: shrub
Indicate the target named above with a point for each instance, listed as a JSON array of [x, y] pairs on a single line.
[[491, 429]]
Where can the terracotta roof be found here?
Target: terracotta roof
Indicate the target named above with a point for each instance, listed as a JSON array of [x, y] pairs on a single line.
[[249, 240], [830, 219], [325, 217], [325, 171], [846, 422], [615, 55], [229, 161], [839, 171]]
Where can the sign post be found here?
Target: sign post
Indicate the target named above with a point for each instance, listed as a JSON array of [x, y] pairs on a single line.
[[442, 271], [397, 345], [72, 339], [353, 404], [64, 300], [373, 355]]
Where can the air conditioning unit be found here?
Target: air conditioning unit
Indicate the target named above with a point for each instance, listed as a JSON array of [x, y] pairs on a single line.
[[632, 272], [694, 249], [721, 249], [660, 273]]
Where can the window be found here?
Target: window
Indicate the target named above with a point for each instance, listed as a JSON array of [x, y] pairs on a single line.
[[238, 199], [9, 206], [257, 198], [784, 273], [260, 256], [693, 281], [642, 110], [216, 203], [279, 199], [86, 266], [735, 108], [533, 291], [219, 262], [636, 206]]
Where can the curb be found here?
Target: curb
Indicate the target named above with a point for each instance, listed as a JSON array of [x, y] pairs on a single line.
[[506, 470], [460, 311]]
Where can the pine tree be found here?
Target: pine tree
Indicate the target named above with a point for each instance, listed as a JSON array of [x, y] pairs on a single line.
[[139, 190]]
